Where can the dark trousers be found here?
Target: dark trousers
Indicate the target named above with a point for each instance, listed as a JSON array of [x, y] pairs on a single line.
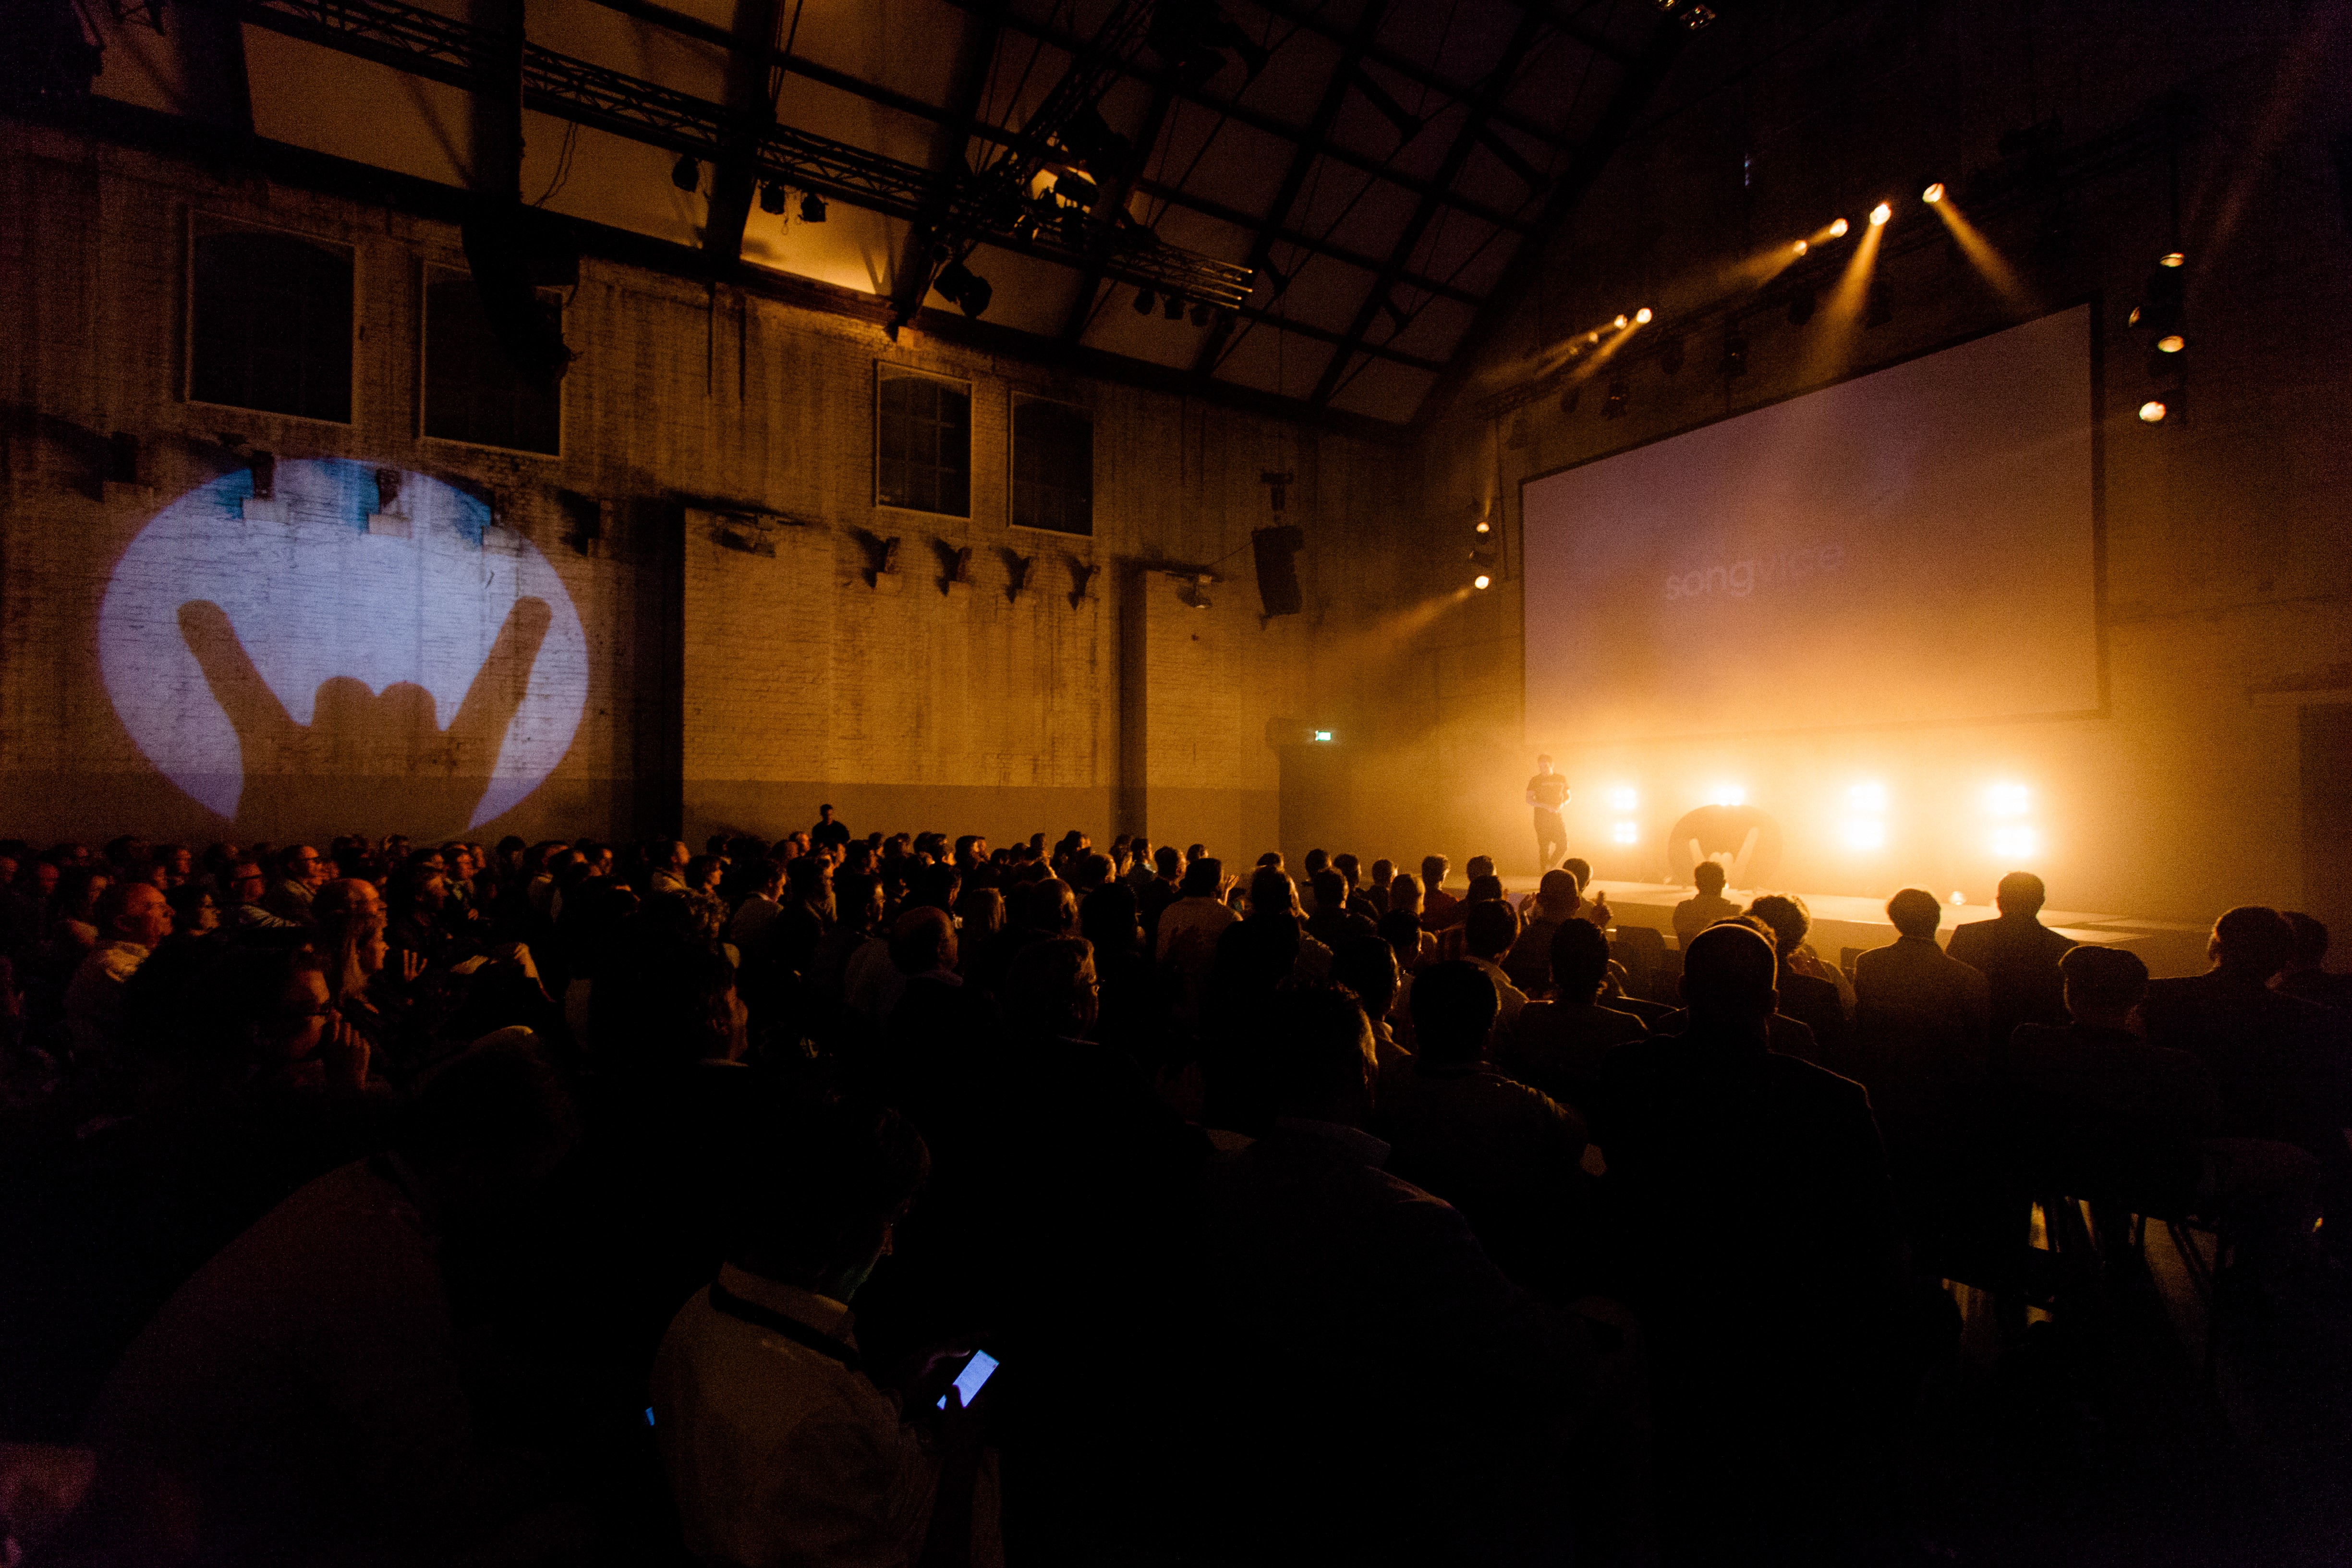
[[1551, 840]]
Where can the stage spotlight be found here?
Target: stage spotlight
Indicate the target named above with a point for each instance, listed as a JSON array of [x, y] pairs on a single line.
[[1619, 322], [1670, 356], [1146, 301], [2016, 842], [772, 197], [1933, 193], [1593, 336], [1642, 316], [1865, 833], [1481, 581], [1614, 405], [2153, 412], [1958, 897], [1802, 306], [1625, 833], [1486, 527], [1801, 246], [1623, 798], [1735, 355], [1868, 797], [2172, 258], [1173, 308], [2008, 799], [1880, 213], [963, 287], [1837, 228], [2170, 343], [812, 207]]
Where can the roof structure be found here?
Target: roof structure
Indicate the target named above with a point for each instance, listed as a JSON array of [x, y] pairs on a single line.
[[1321, 201]]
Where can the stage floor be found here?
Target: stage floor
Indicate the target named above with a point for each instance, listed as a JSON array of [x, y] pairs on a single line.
[[1842, 920]]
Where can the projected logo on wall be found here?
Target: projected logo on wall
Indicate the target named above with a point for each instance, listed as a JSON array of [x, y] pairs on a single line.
[[365, 650]]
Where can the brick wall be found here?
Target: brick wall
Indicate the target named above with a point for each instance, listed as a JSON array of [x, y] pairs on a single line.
[[726, 688]]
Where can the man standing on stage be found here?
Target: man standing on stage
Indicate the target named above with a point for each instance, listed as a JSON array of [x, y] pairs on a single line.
[[1547, 791]]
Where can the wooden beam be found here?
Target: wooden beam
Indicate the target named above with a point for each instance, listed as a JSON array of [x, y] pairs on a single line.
[[751, 47]]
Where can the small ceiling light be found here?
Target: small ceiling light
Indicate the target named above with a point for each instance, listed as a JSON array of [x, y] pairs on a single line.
[[2172, 258], [1698, 17], [1173, 308], [1620, 322], [1145, 301], [1735, 355], [685, 173], [1592, 337], [1614, 405], [771, 196], [1837, 229], [1642, 316], [1486, 527], [1801, 246], [1933, 193], [2170, 343], [2152, 412], [1481, 581], [1880, 213], [812, 207]]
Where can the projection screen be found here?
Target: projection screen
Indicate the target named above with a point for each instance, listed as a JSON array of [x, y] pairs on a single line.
[[1912, 546]]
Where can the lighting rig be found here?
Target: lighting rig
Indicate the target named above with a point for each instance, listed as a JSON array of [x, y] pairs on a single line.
[[1003, 203]]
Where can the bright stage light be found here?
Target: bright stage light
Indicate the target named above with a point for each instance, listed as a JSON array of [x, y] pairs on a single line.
[[1623, 798], [1619, 321], [1868, 797], [1624, 833], [2008, 800], [1933, 193], [1480, 581], [1802, 247], [1958, 897], [2153, 412], [1485, 527], [1837, 229], [1880, 213], [1865, 833], [2172, 258], [1730, 794], [1323, 735], [2016, 842], [2170, 343], [1643, 315]]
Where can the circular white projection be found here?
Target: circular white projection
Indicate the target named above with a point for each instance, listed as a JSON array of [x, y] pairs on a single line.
[[351, 653]]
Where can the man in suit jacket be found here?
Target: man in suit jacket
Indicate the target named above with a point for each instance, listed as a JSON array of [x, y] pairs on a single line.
[[2017, 956], [1914, 988]]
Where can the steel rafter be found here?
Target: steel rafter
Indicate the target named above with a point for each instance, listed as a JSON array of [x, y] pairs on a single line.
[[424, 43], [1490, 92], [1294, 179], [1311, 17], [1274, 125]]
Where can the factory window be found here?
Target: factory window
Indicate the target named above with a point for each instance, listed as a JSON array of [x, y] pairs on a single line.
[[472, 390], [269, 322], [923, 442], [1053, 466]]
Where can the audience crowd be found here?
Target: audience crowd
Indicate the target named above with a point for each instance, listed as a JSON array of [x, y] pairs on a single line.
[[578, 1202]]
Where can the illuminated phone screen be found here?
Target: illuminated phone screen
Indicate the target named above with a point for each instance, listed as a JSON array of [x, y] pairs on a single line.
[[969, 1381]]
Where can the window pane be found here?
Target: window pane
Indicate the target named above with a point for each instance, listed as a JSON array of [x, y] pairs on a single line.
[[272, 325], [1053, 468], [472, 390], [923, 445]]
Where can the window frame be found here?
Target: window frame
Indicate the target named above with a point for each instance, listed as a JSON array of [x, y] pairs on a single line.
[[201, 221], [1013, 462], [423, 371], [885, 370]]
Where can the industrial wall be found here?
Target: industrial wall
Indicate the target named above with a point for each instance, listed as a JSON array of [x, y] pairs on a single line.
[[729, 658], [2218, 773]]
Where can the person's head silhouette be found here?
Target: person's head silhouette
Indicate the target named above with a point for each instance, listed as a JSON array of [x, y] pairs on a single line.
[[1453, 1008], [2103, 984], [1579, 961], [2251, 943], [1786, 916], [1916, 913], [1730, 975], [2020, 895], [1709, 877], [1557, 895]]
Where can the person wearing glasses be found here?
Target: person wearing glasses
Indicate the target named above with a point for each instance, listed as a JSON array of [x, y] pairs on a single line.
[[248, 886], [300, 870]]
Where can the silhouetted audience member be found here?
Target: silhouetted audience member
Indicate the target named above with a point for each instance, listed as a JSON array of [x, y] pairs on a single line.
[[1768, 1263], [1912, 990], [1696, 913], [1506, 1154], [1560, 1045], [303, 1397], [2306, 973], [1488, 930], [1367, 967], [1808, 987], [1361, 1383], [1529, 963], [778, 1445], [2017, 956]]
